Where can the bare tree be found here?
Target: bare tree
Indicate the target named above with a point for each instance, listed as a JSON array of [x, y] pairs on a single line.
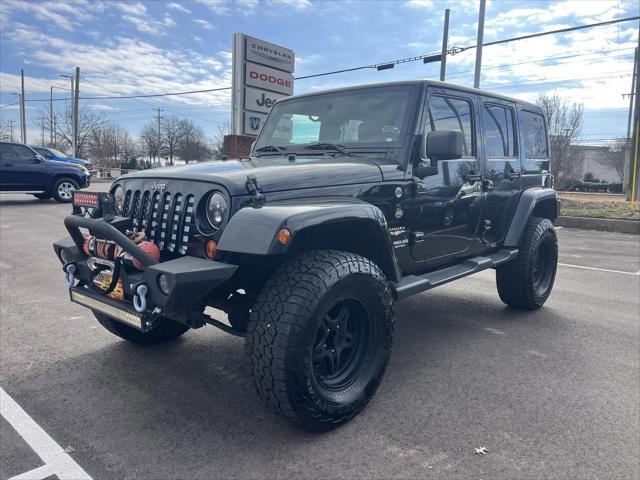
[[614, 157], [149, 141], [88, 123], [171, 134], [217, 143], [565, 122], [5, 131], [193, 146]]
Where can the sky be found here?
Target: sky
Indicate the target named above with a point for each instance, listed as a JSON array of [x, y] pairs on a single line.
[[148, 47]]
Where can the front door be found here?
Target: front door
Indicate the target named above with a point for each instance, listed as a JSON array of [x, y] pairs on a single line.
[[502, 175], [20, 168], [445, 211]]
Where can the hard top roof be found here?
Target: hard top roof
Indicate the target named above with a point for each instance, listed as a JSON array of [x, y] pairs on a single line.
[[434, 83]]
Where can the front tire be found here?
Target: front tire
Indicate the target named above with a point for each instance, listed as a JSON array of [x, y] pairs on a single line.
[[63, 190], [526, 282], [319, 338], [165, 331]]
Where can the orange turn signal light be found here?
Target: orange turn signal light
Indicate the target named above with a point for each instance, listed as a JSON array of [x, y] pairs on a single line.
[[211, 249], [284, 236]]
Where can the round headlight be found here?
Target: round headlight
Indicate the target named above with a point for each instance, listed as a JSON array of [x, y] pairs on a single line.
[[217, 209], [118, 193]]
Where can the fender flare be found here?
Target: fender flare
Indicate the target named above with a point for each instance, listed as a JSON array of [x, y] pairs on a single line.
[[254, 229], [529, 199]]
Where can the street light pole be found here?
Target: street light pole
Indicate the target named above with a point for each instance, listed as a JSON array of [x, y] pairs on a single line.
[[23, 122], [445, 42]]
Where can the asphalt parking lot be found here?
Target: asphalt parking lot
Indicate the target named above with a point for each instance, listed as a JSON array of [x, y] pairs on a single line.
[[550, 394]]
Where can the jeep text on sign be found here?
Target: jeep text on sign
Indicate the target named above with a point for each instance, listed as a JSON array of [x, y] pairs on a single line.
[[260, 100], [265, 53], [268, 78]]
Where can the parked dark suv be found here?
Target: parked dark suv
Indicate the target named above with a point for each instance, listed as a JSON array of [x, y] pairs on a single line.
[[22, 169], [351, 199]]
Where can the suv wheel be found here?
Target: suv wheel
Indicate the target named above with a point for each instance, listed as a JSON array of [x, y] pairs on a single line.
[[319, 338], [526, 282], [164, 331], [63, 189]]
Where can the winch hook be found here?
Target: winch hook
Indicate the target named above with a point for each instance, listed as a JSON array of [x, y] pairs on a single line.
[[140, 298], [69, 277]]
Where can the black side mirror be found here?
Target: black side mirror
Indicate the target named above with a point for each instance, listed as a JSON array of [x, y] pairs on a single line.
[[445, 145]]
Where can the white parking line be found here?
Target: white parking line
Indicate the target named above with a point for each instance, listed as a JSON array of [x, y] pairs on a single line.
[[636, 274], [57, 462]]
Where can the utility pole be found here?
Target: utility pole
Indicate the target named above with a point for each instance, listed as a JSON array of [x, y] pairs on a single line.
[[159, 136], [51, 116], [476, 78], [11, 122], [23, 122], [55, 134], [75, 113], [635, 159], [445, 43], [627, 146]]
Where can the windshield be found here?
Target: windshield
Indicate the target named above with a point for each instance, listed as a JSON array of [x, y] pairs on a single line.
[[57, 153], [356, 118]]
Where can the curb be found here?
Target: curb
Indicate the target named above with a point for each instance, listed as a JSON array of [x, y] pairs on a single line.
[[601, 224]]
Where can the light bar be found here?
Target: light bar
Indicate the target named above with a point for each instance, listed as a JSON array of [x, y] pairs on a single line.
[[86, 199], [121, 315]]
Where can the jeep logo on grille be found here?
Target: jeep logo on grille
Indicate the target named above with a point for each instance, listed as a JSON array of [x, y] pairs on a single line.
[[158, 186]]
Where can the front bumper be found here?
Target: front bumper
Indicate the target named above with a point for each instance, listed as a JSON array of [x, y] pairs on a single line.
[[190, 279]]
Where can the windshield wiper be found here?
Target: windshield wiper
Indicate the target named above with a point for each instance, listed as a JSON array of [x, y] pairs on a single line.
[[271, 148], [328, 146]]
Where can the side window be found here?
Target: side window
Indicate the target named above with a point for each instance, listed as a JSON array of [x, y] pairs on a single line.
[[534, 138], [499, 134], [23, 153], [448, 113]]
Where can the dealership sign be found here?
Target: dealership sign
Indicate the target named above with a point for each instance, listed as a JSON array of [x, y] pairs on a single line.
[[262, 74]]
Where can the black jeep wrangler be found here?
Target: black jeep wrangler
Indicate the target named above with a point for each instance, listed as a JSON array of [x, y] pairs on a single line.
[[350, 200]]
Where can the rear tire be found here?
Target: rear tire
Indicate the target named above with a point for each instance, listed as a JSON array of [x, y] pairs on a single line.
[[165, 331], [526, 282], [319, 338], [63, 189]]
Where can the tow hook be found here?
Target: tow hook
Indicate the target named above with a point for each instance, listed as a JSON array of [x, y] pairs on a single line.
[[69, 278], [140, 298]]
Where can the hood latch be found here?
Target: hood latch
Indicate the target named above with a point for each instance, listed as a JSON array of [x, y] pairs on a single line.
[[257, 197]]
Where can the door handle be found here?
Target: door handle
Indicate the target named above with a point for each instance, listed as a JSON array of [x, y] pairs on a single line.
[[513, 175], [417, 237]]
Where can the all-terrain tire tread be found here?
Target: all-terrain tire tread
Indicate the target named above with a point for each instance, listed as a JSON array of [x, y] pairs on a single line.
[[275, 326], [514, 279]]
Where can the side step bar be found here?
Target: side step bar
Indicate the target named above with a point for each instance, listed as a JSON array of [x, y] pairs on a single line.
[[412, 284]]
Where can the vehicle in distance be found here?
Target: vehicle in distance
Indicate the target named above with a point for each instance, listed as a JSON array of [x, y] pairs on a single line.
[[351, 199], [53, 154], [22, 169]]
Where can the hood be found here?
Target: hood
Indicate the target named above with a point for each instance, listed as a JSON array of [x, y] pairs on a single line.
[[272, 173]]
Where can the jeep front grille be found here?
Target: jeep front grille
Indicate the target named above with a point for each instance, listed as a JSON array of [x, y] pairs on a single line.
[[166, 218]]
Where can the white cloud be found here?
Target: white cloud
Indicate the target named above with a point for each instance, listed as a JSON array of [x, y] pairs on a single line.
[[132, 8], [203, 23], [218, 7], [428, 4], [144, 26], [100, 106], [296, 4], [179, 7], [60, 14]]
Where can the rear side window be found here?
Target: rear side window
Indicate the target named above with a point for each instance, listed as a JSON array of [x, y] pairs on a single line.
[[448, 113], [499, 132], [15, 152], [534, 138]]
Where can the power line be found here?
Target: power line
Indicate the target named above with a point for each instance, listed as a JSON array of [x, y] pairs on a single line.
[[384, 65], [9, 104]]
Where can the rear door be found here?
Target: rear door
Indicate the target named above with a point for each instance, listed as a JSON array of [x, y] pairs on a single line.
[[445, 211], [21, 168], [502, 173]]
